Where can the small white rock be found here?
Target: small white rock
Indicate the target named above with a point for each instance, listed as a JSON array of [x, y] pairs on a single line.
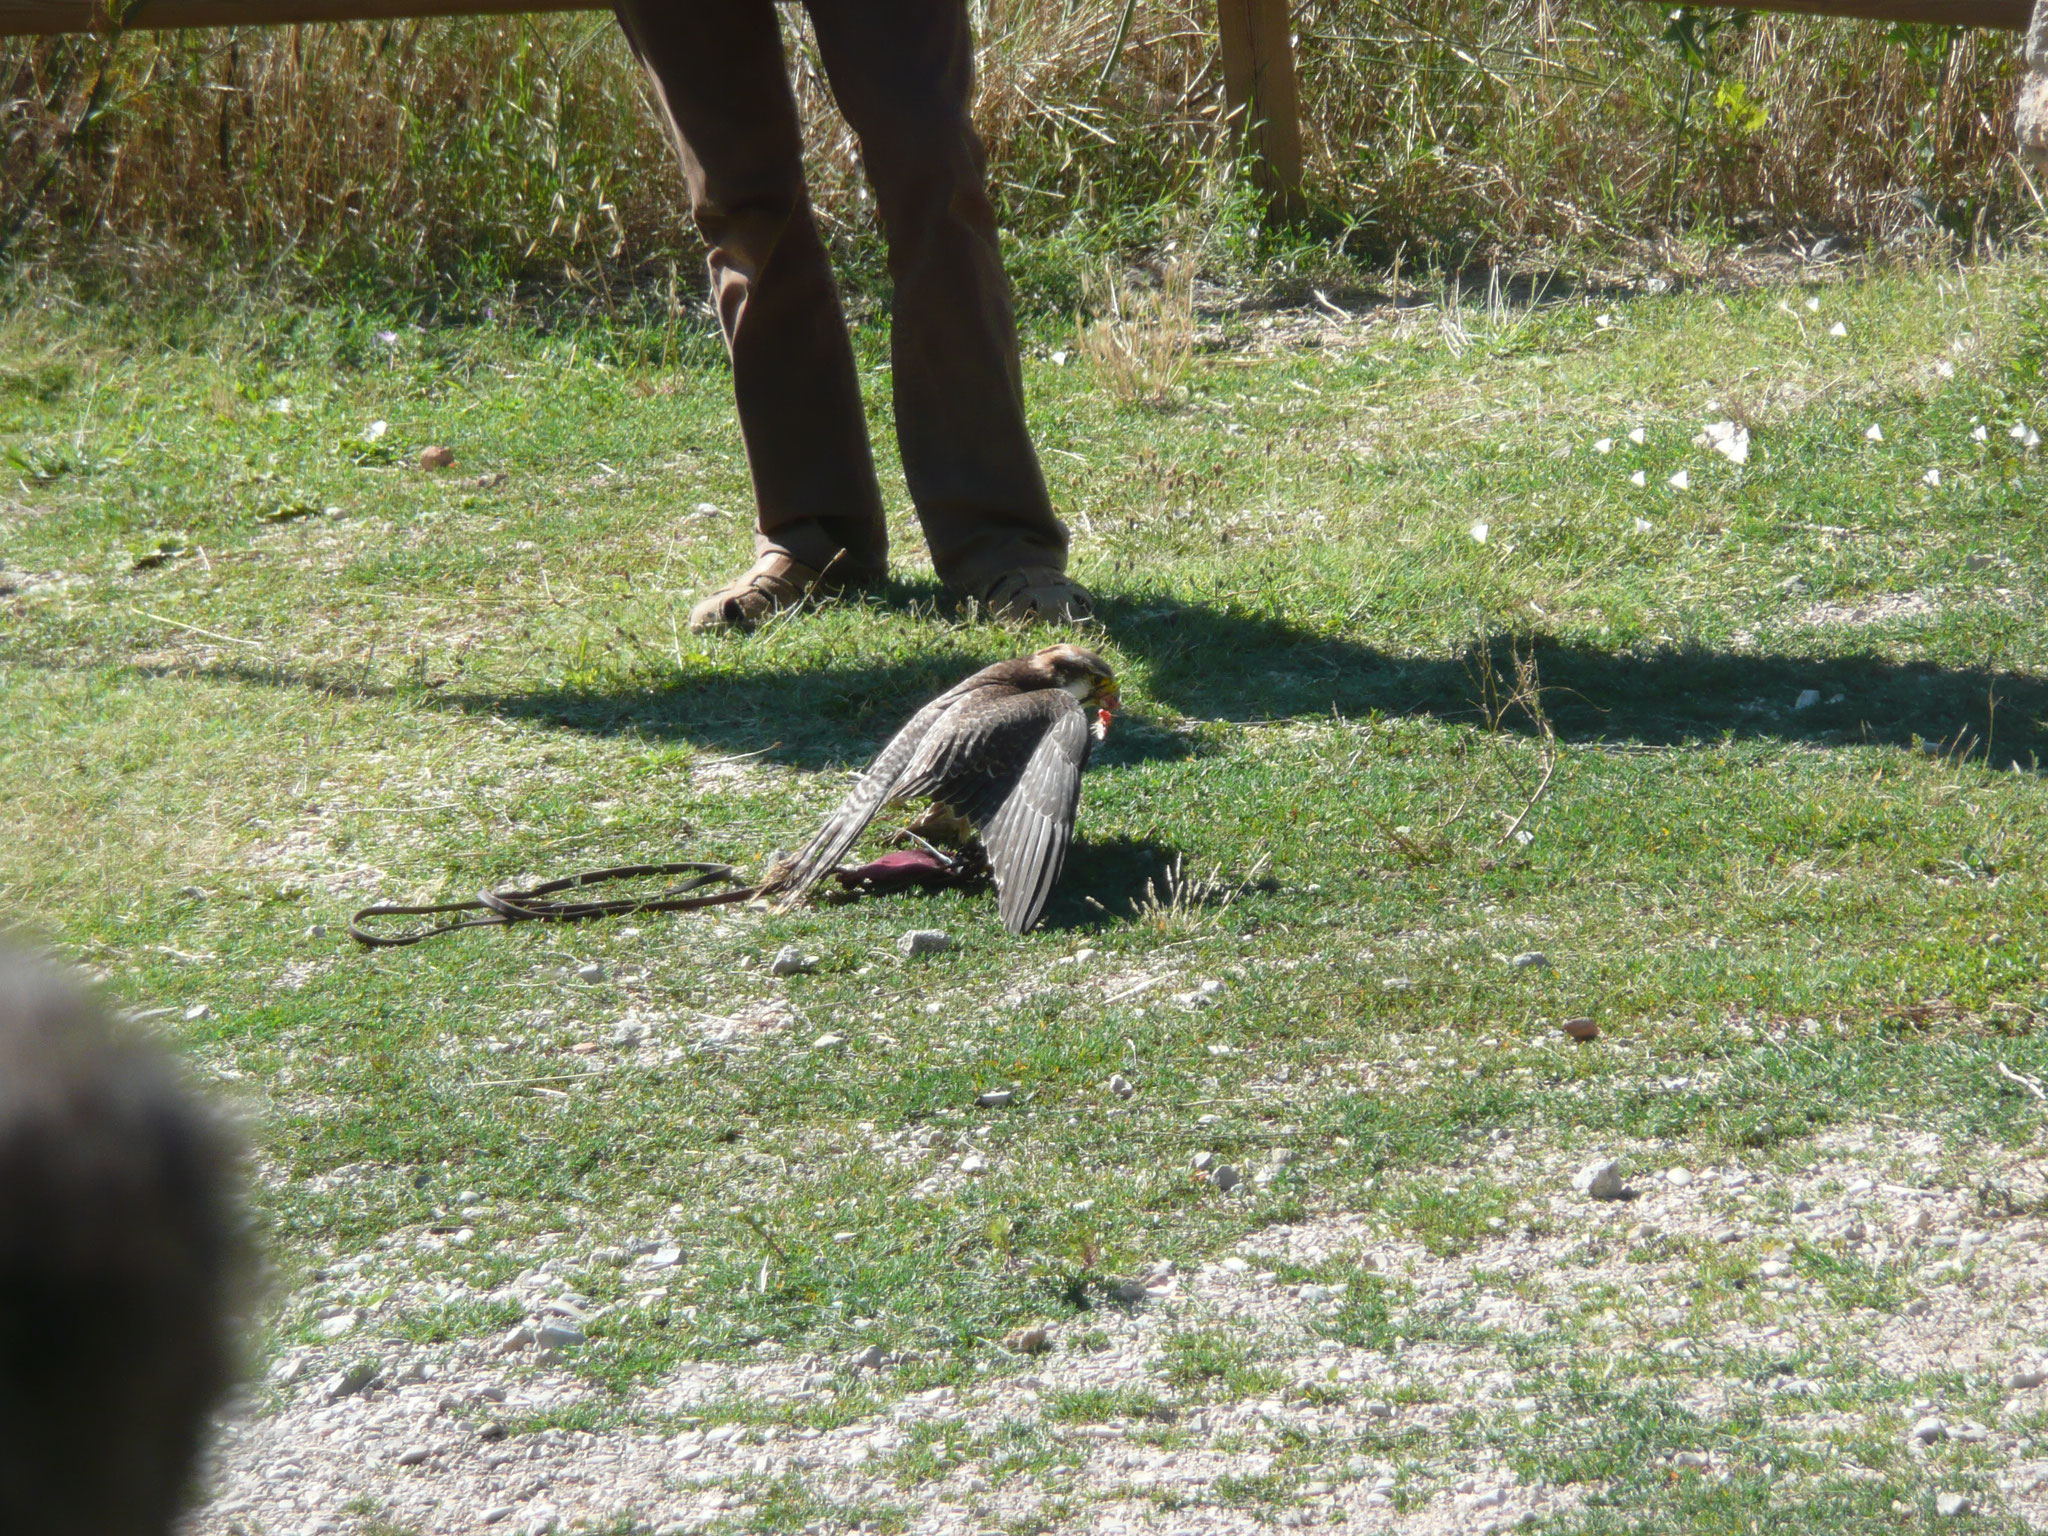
[[995, 1098], [558, 1333], [1531, 959], [1873, 433], [1639, 478], [1838, 329], [413, 1455], [826, 1042], [1601, 1180], [1603, 445], [1225, 1177], [1682, 481], [1678, 1177], [1950, 1505], [974, 1162], [924, 941], [1928, 1430], [1479, 532], [791, 961], [592, 970], [1808, 697], [1637, 436], [1121, 1085]]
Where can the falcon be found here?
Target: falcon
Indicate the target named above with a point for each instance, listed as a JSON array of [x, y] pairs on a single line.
[[1001, 752]]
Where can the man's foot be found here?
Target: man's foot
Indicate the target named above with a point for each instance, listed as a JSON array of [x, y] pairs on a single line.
[[774, 582], [1038, 592]]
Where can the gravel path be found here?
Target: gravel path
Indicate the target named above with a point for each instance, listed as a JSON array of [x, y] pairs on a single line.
[[1318, 1430]]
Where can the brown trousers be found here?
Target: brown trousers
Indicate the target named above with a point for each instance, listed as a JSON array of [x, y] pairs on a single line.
[[903, 74]]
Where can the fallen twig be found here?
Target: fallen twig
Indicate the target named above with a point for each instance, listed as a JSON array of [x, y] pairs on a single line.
[[2031, 1084], [254, 645]]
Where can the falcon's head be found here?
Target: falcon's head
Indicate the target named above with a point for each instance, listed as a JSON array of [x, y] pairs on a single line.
[[1082, 673]]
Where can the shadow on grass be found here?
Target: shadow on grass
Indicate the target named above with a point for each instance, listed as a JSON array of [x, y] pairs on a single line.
[[1231, 663], [1114, 872]]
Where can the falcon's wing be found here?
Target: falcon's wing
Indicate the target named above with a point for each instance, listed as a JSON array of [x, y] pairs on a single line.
[[875, 789], [1027, 832]]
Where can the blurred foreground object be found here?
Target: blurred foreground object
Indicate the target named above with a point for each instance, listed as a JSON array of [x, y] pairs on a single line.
[[121, 1251]]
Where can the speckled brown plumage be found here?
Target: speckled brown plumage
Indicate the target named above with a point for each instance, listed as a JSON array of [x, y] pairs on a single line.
[[1004, 750]]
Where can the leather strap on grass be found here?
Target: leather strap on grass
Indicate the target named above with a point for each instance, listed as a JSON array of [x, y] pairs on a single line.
[[503, 908]]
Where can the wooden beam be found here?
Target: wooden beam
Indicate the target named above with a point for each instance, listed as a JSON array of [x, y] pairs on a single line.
[[1261, 95], [46, 17]]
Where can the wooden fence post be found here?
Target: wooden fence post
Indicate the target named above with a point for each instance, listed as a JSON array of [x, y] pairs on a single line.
[[1260, 94]]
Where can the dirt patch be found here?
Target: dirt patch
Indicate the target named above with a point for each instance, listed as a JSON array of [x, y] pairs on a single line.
[[1881, 608]]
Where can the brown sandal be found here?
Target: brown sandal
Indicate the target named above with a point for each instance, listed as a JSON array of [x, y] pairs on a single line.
[[774, 582], [1042, 593]]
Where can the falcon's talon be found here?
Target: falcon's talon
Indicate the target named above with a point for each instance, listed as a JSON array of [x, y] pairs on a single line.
[[1002, 752]]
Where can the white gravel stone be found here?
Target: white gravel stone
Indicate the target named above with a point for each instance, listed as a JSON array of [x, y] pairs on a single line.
[[1950, 1505], [1225, 1177], [558, 1333], [1530, 959], [791, 961], [924, 941], [1121, 1085], [592, 970], [1928, 1430], [1601, 1180], [995, 1098]]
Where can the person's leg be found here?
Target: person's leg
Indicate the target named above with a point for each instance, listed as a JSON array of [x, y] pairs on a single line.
[[903, 73], [717, 66]]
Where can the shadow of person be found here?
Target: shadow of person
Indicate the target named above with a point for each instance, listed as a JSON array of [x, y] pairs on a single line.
[[1247, 661], [1234, 662]]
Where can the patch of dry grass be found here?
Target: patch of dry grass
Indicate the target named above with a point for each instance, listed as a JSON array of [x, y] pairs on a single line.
[[1141, 338], [524, 146]]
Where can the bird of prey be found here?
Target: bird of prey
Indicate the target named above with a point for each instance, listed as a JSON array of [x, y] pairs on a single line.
[[1002, 752]]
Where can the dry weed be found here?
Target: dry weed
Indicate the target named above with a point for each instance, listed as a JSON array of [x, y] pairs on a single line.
[[1141, 338], [523, 145]]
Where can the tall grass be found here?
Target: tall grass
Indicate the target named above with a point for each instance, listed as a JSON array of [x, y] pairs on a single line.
[[490, 149]]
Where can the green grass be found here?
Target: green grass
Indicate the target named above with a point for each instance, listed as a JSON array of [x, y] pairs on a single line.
[[1787, 921]]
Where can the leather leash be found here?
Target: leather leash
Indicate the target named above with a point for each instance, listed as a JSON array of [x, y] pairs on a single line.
[[503, 908]]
